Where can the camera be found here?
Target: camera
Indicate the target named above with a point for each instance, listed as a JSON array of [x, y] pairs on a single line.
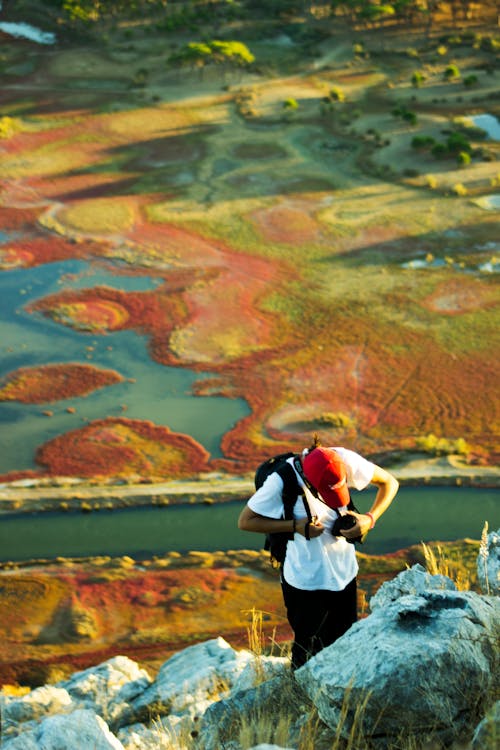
[[343, 523]]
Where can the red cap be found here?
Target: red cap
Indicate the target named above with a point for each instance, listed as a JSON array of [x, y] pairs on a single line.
[[325, 470]]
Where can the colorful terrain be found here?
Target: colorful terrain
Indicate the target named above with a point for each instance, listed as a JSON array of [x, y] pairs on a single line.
[[61, 617], [311, 259]]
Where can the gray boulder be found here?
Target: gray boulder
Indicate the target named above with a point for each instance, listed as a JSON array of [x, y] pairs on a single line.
[[190, 681], [80, 729], [108, 688], [488, 564], [424, 663], [487, 734], [415, 580], [21, 714]]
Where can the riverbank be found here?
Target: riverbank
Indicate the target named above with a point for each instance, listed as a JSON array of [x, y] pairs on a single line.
[[70, 494]]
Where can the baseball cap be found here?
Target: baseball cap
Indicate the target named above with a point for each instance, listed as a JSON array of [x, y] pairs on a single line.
[[325, 470]]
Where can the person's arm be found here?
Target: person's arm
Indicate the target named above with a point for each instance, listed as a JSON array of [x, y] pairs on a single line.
[[388, 486], [250, 521]]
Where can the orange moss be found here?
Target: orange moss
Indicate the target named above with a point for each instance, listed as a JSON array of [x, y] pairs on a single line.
[[38, 385], [115, 447]]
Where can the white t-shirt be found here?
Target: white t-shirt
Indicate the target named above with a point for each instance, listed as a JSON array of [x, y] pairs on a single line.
[[325, 562]]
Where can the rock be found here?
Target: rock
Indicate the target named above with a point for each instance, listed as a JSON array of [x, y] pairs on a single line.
[[39, 703], [80, 729], [279, 699], [488, 564], [190, 681], [488, 731], [424, 662], [415, 580], [258, 670], [160, 736], [108, 688]]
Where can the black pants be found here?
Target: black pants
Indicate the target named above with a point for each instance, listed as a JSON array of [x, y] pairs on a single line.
[[318, 618]]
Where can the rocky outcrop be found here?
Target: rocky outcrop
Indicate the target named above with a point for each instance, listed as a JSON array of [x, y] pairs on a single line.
[[424, 660]]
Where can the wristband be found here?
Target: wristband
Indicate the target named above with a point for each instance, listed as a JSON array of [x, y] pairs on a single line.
[[294, 529], [370, 515], [306, 531]]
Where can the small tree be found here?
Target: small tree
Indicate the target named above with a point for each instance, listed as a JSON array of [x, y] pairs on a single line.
[[417, 79], [451, 72], [463, 158]]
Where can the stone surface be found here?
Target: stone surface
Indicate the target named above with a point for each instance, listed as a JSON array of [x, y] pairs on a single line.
[[487, 734], [80, 729], [415, 580], [108, 688], [190, 681], [425, 660]]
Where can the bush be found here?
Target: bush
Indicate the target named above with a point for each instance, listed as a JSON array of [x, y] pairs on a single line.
[[463, 158], [422, 142], [290, 104], [442, 446], [451, 72], [470, 80], [417, 79]]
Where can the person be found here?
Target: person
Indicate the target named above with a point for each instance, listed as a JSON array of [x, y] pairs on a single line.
[[318, 576]]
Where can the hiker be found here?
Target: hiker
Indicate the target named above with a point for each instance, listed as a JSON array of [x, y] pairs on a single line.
[[318, 575]]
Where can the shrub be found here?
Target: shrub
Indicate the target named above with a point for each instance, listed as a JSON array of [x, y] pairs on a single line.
[[422, 141], [441, 446], [336, 94], [470, 80], [417, 79], [457, 142], [451, 72], [463, 158], [290, 104]]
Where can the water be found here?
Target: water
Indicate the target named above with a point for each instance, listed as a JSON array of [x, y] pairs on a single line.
[[418, 514], [488, 123], [489, 202], [163, 395]]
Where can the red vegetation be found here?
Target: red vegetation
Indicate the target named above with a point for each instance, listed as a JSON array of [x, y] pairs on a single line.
[[38, 385], [102, 308], [118, 447], [35, 251]]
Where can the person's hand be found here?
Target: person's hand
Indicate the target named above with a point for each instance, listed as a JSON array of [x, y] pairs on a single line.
[[362, 526], [316, 528]]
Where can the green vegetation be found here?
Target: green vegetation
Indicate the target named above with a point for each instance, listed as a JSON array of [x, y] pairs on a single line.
[[200, 54], [437, 446]]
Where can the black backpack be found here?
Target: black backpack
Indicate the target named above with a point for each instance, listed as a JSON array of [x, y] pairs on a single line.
[[276, 542]]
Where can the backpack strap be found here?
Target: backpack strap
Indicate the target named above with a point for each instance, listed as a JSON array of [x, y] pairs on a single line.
[[292, 490]]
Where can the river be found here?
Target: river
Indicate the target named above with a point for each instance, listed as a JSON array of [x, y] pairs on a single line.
[[418, 514]]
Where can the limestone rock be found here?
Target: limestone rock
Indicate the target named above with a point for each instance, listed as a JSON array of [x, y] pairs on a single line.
[[259, 670], [488, 564], [190, 681], [415, 580], [108, 688], [424, 662], [279, 697], [161, 735], [39, 703], [80, 729], [487, 732]]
